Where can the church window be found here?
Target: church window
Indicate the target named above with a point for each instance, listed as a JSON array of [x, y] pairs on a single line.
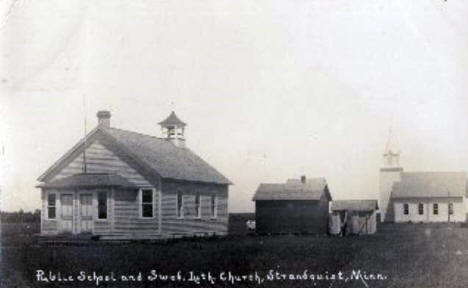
[[405, 209], [450, 208], [420, 208]]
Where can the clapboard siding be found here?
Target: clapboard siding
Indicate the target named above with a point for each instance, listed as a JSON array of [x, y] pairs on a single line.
[[76, 222], [124, 219], [191, 224], [126, 214], [99, 159], [49, 226], [102, 227]]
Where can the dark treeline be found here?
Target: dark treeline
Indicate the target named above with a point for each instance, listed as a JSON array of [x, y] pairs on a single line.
[[20, 216]]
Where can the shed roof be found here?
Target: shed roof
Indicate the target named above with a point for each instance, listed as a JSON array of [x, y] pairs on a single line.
[[89, 180], [313, 189], [430, 184], [354, 205]]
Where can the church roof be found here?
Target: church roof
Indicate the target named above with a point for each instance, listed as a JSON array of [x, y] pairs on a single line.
[[172, 120], [313, 189], [430, 185], [88, 180]]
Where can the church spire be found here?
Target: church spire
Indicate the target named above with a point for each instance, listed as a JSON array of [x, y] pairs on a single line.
[[391, 155], [390, 173]]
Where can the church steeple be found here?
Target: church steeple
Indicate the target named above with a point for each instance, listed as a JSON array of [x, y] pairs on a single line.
[[391, 159], [389, 174], [391, 155], [173, 128]]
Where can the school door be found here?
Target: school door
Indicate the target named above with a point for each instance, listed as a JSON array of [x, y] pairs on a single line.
[[66, 214], [85, 211], [81, 218]]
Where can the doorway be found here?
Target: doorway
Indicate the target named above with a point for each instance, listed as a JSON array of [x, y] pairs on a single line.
[[66, 201], [85, 211]]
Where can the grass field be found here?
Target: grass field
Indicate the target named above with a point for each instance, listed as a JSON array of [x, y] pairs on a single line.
[[406, 255]]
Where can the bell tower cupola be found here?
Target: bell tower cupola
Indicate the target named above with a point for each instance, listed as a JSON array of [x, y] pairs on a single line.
[[173, 129]]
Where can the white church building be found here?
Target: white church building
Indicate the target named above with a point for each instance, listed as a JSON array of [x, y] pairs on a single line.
[[420, 196]]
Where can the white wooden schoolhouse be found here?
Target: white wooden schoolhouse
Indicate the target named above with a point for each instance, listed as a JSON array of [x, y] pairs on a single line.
[[118, 184]]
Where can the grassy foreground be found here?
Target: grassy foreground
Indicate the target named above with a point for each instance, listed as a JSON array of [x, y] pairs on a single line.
[[406, 255]]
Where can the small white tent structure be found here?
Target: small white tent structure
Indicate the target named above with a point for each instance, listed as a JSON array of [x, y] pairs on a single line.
[[353, 217]]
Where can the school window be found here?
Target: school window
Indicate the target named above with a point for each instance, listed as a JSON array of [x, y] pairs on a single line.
[[197, 206], [450, 208], [420, 208], [435, 209], [51, 205], [405, 209], [180, 205], [214, 206], [102, 205], [146, 203]]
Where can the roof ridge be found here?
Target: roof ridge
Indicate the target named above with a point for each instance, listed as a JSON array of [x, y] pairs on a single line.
[[348, 200], [433, 172], [193, 160], [134, 132], [94, 173], [295, 183]]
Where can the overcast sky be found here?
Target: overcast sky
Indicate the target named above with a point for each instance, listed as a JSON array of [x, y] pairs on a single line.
[[270, 89]]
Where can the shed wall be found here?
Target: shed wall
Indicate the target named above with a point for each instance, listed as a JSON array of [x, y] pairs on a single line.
[[362, 223], [291, 216]]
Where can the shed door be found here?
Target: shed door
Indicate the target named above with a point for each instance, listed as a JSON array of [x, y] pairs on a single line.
[[86, 213], [66, 201]]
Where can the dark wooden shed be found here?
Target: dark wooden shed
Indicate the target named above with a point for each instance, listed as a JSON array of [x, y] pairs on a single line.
[[297, 206]]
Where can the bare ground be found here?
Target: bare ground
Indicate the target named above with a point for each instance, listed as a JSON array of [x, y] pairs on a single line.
[[407, 255]]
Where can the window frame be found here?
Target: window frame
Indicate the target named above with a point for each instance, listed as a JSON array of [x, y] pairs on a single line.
[[214, 206], [420, 208], [51, 206], [180, 209], [435, 209], [141, 203], [198, 210], [405, 209], [107, 205]]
